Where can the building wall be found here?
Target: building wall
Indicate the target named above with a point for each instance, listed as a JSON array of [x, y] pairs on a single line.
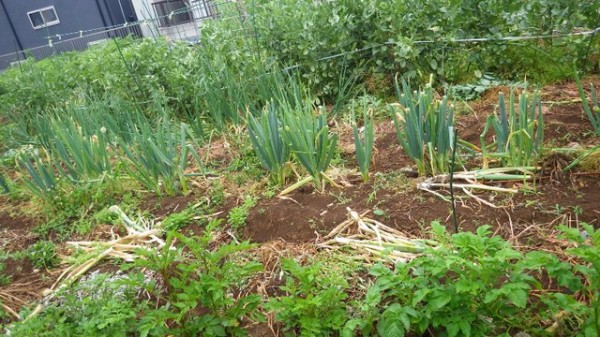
[[74, 15], [8, 42]]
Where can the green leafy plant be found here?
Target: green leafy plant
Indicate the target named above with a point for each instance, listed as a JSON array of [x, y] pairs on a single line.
[[237, 215], [424, 127], [587, 252], [363, 142], [591, 108], [268, 143], [43, 254], [310, 141], [519, 133], [99, 305], [474, 284], [201, 278], [4, 279], [313, 304], [176, 221], [81, 156]]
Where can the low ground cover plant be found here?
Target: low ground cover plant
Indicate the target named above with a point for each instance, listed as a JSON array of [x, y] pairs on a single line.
[[472, 284], [313, 304]]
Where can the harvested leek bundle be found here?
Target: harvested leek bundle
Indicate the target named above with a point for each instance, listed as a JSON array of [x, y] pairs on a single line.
[[141, 234], [374, 240], [471, 180]]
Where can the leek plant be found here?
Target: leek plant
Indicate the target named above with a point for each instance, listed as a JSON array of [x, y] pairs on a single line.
[[519, 132], [310, 141], [363, 142], [159, 157], [4, 185], [591, 108], [83, 157], [268, 143], [44, 178], [424, 128]]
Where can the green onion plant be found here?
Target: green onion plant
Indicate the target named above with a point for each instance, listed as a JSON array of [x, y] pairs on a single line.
[[268, 143], [424, 128], [159, 157], [519, 131], [591, 108], [310, 141], [43, 176], [363, 142], [4, 185], [83, 157]]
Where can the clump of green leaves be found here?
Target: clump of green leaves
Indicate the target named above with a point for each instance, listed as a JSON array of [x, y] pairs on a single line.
[[424, 127], [592, 107], [363, 143], [200, 277], [4, 279], [176, 221], [588, 252], [473, 284], [268, 143], [80, 156], [43, 254], [314, 305], [519, 132], [237, 216]]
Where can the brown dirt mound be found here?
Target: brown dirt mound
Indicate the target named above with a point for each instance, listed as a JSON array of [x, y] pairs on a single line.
[[160, 207]]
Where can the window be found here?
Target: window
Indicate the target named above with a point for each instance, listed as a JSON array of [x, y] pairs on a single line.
[[172, 12], [43, 17]]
